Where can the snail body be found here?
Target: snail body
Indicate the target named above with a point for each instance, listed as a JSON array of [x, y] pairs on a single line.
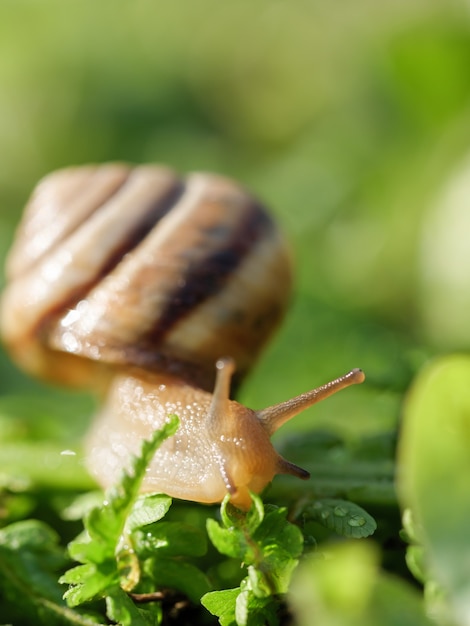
[[221, 446], [135, 282]]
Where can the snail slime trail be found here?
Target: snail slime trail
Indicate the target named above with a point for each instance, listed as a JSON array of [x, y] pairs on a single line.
[[162, 290]]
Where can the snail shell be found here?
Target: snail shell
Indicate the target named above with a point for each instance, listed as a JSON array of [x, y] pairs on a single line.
[[136, 266], [135, 281]]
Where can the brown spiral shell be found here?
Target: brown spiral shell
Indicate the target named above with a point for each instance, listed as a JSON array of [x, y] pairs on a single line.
[[135, 265]]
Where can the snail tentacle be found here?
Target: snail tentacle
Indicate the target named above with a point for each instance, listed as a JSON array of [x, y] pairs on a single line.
[[273, 417]]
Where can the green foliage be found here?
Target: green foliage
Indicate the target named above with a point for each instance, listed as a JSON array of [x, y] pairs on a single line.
[[353, 125], [269, 546], [105, 550], [29, 560], [124, 549], [127, 554], [361, 470], [136, 557], [435, 452], [348, 589], [343, 517]]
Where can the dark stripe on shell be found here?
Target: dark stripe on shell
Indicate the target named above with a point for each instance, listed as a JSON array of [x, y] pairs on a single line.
[[208, 276], [72, 223], [91, 208], [161, 205]]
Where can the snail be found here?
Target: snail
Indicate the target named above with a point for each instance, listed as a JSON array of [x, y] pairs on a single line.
[[158, 292]]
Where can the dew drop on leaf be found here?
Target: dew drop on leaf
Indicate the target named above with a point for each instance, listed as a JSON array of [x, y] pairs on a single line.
[[356, 520], [340, 511]]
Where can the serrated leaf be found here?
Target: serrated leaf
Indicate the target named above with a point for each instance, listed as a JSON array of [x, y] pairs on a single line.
[[92, 551], [343, 517], [258, 582], [169, 538], [246, 520], [251, 610], [222, 604], [107, 523], [278, 567], [275, 529], [273, 548], [280, 543], [89, 582], [234, 537], [121, 609], [230, 542], [104, 525], [105, 528], [177, 574], [147, 509], [78, 573]]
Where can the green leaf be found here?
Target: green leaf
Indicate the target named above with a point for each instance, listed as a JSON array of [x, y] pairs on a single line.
[[251, 610], [230, 542], [121, 609], [246, 520], [222, 604], [29, 563], [169, 538], [280, 543], [348, 588], [177, 574], [89, 582], [30, 549], [434, 475], [257, 582], [246, 535], [89, 551], [343, 517], [81, 506], [147, 509], [269, 545], [31, 534], [277, 531], [77, 574]]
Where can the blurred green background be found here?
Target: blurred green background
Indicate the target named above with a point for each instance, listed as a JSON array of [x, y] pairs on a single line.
[[351, 120]]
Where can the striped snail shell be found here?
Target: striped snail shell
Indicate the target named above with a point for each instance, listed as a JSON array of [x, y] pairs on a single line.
[[137, 266], [136, 282]]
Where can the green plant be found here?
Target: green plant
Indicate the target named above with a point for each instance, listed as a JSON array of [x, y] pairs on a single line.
[[139, 559]]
